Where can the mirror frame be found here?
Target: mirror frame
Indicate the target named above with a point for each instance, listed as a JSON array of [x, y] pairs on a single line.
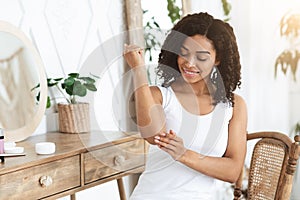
[[24, 132]]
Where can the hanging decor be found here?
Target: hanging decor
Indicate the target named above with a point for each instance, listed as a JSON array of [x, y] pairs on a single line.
[[15, 95]]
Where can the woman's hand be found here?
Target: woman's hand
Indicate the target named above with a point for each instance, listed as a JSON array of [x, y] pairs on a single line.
[[133, 55], [171, 143]]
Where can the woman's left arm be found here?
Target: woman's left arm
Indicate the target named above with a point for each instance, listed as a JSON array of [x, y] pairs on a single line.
[[226, 168]]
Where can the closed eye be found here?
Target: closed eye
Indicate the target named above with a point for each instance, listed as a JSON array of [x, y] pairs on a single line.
[[201, 58], [200, 55]]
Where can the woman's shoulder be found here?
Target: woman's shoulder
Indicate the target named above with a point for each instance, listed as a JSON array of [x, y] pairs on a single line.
[[240, 106], [239, 100]]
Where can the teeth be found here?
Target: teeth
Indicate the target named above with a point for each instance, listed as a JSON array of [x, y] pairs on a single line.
[[191, 72]]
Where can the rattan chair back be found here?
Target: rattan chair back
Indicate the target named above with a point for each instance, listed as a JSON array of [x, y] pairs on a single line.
[[273, 163]]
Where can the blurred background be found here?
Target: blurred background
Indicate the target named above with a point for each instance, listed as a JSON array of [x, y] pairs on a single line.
[[67, 32]]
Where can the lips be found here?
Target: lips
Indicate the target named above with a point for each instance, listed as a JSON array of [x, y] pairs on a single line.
[[191, 71]]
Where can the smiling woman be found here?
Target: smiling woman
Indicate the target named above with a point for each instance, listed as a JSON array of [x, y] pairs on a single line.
[[20, 70], [194, 123]]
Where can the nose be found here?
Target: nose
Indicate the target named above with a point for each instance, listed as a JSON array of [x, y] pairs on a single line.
[[191, 61]]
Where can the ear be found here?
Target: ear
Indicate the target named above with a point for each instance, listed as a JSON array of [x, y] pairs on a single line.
[[217, 63]]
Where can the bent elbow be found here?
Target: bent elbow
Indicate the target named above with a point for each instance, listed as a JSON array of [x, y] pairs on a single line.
[[150, 140], [233, 177]]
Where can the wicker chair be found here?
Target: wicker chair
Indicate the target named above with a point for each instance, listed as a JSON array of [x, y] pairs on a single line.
[[273, 163]]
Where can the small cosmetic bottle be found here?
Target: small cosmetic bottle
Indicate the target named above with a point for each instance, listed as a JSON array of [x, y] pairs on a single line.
[[1, 145]]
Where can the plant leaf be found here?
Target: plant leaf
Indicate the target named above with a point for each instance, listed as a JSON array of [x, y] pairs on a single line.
[[48, 105], [95, 76], [52, 84], [156, 24], [79, 89], [35, 87], [226, 8], [88, 80], [173, 11], [69, 81], [90, 87], [57, 79], [297, 128], [69, 90], [74, 75], [38, 96]]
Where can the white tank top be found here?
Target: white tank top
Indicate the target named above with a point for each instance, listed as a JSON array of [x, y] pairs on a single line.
[[166, 179]]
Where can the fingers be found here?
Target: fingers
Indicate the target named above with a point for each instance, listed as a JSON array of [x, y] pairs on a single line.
[[165, 143], [132, 48], [167, 140], [133, 55], [170, 143], [170, 135], [172, 132]]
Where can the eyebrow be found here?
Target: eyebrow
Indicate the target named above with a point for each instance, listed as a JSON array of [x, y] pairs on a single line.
[[196, 51]]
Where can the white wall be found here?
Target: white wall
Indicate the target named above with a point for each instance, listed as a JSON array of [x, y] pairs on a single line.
[[66, 34]]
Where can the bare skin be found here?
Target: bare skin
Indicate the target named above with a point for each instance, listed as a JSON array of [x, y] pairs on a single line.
[[196, 61], [150, 115]]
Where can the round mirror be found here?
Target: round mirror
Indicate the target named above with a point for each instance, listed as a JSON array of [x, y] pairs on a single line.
[[21, 69]]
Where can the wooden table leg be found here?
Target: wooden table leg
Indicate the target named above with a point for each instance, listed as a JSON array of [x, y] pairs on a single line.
[[73, 196], [121, 189]]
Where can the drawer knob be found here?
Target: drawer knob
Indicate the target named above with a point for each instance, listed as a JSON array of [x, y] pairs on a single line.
[[45, 181], [119, 160]]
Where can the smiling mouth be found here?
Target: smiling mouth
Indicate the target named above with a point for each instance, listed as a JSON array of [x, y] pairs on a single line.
[[191, 72]]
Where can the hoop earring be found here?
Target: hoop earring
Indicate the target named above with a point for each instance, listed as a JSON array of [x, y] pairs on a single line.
[[214, 75]]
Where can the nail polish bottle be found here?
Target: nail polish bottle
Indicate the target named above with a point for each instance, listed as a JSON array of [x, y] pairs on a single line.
[[1, 145]]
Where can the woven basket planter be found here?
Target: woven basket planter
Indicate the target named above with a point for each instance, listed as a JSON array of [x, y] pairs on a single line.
[[74, 118]]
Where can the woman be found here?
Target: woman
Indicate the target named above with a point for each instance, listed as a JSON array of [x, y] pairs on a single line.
[[194, 122]]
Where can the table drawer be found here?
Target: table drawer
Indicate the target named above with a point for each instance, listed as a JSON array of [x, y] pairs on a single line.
[[42, 180], [113, 159]]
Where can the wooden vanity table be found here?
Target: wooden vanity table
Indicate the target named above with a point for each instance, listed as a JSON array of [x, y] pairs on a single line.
[[81, 161]]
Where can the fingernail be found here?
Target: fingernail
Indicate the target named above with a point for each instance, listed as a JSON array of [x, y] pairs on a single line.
[[157, 137], [155, 140]]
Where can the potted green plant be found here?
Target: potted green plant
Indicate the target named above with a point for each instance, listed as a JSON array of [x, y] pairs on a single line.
[[289, 58], [73, 115]]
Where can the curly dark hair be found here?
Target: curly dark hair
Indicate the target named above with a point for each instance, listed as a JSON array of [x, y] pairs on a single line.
[[223, 40]]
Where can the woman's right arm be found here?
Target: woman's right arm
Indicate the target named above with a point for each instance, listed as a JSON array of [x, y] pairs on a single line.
[[148, 100]]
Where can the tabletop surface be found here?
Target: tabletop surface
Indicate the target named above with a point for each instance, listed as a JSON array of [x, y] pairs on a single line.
[[66, 145]]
